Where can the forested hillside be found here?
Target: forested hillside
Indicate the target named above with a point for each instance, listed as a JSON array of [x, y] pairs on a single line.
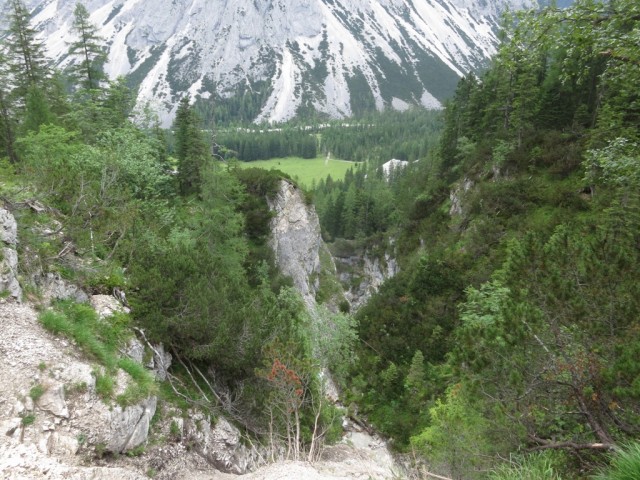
[[512, 327]]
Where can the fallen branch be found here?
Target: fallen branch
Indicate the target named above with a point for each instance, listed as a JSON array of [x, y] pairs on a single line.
[[191, 376], [544, 444], [433, 475], [362, 425], [68, 246]]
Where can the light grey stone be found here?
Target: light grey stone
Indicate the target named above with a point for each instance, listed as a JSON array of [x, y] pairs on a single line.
[[370, 273], [55, 287], [135, 350], [221, 445], [77, 375], [8, 228], [456, 196], [296, 239], [9, 273], [53, 400], [129, 426], [161, 362], [107, 305]]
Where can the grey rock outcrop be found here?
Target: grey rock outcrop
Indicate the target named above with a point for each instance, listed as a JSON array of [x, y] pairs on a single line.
[[221, 445], [135, 351], [363, 275], [53, 400], [296, 239], [9, 284], [54, 287], [189, 42], [8, 228], [129, 426], [161, 362], [9, 273], [107, 305], [456, 195]]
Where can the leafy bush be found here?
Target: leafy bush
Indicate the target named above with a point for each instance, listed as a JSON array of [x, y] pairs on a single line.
[[28, 419]]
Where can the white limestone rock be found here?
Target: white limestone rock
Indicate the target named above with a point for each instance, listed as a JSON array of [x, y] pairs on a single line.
[[106, 306], [53, 400], [54, 287], [194, 42], [296, 239], [220, 445], [8, 228], [128, 427], [9, 285]]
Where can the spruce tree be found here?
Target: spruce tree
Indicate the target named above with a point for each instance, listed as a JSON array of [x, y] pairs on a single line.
[[191, 147], [89, 47], [27, 61], [7, 119]]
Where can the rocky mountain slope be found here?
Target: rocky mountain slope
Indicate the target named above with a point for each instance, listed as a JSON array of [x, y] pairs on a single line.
[[286, 57], [55, 423]]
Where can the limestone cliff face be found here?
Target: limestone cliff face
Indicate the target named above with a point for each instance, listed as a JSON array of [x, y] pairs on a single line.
[[296, 239], [298, 245], [362, 275]]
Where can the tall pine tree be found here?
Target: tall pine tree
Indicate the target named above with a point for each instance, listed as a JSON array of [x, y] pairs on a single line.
[[88, 47], [191, 147], [27, 60], [7, 119]]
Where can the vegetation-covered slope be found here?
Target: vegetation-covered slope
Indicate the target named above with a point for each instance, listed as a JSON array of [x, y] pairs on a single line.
[[513, 324]]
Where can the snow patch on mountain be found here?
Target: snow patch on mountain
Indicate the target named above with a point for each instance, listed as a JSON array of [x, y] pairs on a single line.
[[429, 101]]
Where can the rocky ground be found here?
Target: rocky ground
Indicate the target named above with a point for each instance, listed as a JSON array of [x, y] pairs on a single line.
[[48, 438]]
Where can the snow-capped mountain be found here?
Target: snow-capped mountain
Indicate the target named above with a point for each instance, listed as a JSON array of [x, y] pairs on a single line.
[[273, 59]]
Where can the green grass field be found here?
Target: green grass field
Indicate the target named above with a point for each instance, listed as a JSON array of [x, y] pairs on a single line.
[[304, 171]]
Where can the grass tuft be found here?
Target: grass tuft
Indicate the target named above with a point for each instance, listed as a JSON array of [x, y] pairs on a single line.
[[625, 465], [540, 466], [28, 419], [101, 339], [104, 385]]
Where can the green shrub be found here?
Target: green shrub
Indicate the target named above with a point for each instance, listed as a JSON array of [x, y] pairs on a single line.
[[136, 452], [36, 392], [625, 465], [28, 419], [144, 383], [174, 430]]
